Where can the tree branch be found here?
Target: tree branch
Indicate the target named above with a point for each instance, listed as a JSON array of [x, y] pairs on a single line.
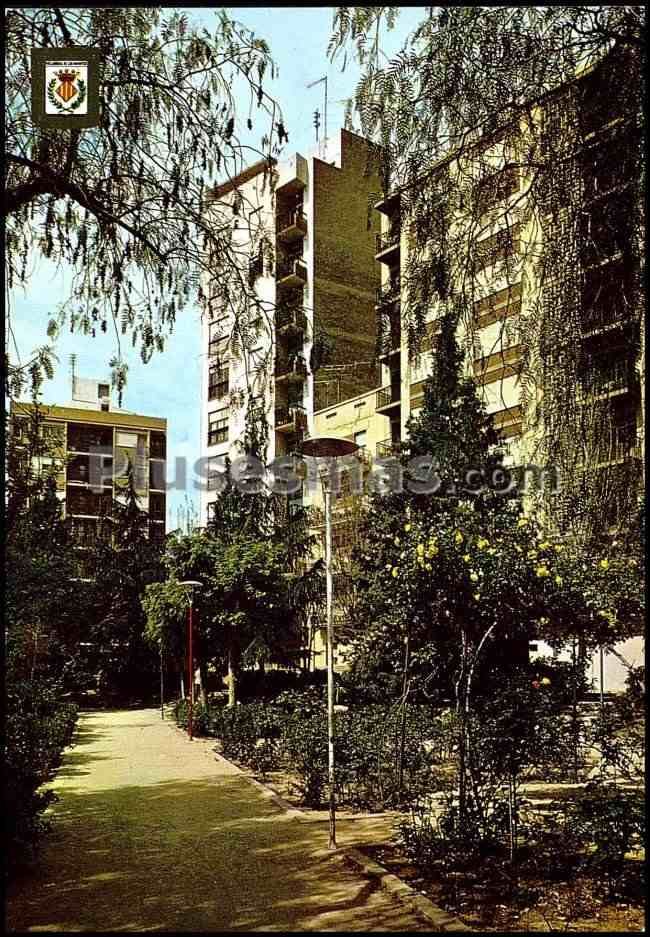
[[56, 184]]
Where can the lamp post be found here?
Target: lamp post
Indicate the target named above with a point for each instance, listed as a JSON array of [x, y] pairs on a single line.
[[329, 448], [192, 584]]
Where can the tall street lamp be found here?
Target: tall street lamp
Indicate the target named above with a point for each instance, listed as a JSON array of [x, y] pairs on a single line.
[[192, 584], [326, 450]]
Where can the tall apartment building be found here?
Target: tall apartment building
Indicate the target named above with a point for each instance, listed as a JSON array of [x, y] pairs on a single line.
[[307, 337], [573, 334], [92, 445], [558, 356]]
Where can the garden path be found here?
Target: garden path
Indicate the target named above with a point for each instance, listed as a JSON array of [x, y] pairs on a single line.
[[152, 832]]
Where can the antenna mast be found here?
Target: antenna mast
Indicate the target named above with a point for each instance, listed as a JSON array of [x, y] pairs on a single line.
[[323, 147], [73, 370]]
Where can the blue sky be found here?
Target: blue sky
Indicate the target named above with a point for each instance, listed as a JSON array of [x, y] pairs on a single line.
[[169, 385]]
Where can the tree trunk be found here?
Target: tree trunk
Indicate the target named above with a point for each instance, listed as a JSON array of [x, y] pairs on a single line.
[[202, 684], [402, 741], [232, 677]]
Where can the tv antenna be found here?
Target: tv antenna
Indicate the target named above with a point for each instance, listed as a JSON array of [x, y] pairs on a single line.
[[313, 84], [73, 370]]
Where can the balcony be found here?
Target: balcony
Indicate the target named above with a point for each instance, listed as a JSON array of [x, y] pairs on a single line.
[[388, 293], [387, 245], [291, 273], [290, 368], [624, 445], [387, 448], [292, 227], [389, 204], [290, 419], [387, 399], [604, 318], [89, 439], [607, 379], [389, 333], [290, 319]]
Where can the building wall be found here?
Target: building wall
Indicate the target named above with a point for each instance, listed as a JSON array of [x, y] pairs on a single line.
[[345, 274], [335, 293], [92, 451]]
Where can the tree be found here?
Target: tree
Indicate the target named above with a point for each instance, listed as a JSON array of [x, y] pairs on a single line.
[[44, 604], [463, 579], [458, 114], [165, 607], [124, 561], [127, 206]]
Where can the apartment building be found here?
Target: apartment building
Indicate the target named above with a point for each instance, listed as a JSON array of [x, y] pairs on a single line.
[[305, 336], [580, 321], [558, 355], [91, 448]]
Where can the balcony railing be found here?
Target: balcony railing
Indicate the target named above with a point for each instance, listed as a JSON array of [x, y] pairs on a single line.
[[388, 293], [387, 240], [292, 418], [387, 397], [604, 317], [387, 448], [293, 366], [389, 333], [292, 226], [608, 377], [291, 272], [624, 444], [290, 319]]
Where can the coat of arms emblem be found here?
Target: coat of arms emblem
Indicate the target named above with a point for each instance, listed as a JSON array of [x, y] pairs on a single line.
[[66, 88]]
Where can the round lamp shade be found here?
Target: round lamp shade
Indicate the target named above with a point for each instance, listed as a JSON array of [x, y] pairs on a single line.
[[328, 447]]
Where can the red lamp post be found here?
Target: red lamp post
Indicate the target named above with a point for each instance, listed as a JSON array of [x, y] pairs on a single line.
[[192, 585]]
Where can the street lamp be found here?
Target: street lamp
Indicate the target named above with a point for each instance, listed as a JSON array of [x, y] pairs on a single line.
[[329, 448], [192, 584]]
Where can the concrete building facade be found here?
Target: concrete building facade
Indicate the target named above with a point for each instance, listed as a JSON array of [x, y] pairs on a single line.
[[91, 447], [306, 338]]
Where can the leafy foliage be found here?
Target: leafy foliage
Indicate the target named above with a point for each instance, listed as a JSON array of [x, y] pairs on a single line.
[[128, 205]]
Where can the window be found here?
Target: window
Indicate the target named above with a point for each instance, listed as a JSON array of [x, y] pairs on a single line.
[[103, 390], [218, 339], [360, 438], [215, 473], [157, 445], [496, 187], [217, 427], [217, 382], [157, 475], [128, 440], [498, 247], [157, 506], [507, 302]]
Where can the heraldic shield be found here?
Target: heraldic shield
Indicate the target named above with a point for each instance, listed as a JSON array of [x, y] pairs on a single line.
[[65, 87]]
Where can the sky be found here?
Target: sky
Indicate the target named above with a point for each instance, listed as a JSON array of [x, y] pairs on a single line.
[[169, 384]]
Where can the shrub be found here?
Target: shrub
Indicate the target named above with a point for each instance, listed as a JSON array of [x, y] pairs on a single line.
[[437, 838], [38, 728], [609, 820]]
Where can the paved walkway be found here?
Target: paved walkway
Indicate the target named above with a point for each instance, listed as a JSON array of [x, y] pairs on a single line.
[[152, 832]]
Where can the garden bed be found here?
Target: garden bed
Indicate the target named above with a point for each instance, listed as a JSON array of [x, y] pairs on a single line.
[[491, 898]]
